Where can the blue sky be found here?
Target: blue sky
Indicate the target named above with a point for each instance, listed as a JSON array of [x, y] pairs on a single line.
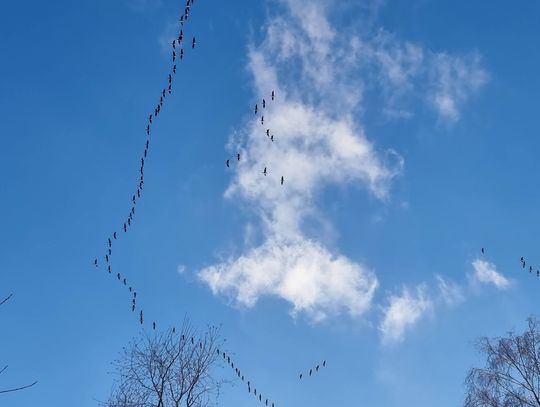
[[407, 136]]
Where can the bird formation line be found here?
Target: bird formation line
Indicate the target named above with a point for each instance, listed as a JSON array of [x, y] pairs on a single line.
[[267, 132], [177, 52], [264, 400], [314, 370]]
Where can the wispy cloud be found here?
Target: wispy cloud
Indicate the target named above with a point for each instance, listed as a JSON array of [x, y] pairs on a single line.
[[450, 293], [486, 273], [404, 311]]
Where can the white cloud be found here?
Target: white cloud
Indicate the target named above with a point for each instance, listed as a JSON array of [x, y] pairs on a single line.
[[486, 273], [402, 312], [320, 75], [301, 272]]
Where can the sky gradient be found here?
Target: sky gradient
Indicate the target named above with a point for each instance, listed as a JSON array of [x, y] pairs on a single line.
[[406, 133]]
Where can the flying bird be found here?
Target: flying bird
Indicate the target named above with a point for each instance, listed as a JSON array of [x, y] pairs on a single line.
[[238, 156], [154, 326], [174, 69], [228, 164], [141, 317], [125, 228], [110, 243], [282, 180], [310, 371], [114, 235], [125, 281], [256, 108], [109, 269], [181, 54], [267, 132], [118, 276], [193, 43], [324, 363], [264, 172], [264, 104], [262, 119], [273, 95], [272, 138], [95, 263], [300, 376], [482, 250], [133, 308], [174, 56], [150, 118]]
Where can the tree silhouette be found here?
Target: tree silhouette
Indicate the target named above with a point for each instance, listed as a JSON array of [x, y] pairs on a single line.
[[511, 376], [168, 369], [2, 370]]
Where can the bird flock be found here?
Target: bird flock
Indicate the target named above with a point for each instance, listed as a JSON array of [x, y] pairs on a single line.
[[315, 369], [178, 53], [267, 132]]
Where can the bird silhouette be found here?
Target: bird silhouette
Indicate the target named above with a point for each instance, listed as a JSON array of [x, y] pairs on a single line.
[[141, 318], [300, 376], [150, 118], [110, 243], [109, 269], [310, 371], [125, 282], [264, 104], [238, 156], [174, 56], [133, 308], [317, 368], [174, 43], [264, 172], [107, 258], [181, 54], [256, 108], [118, 276], [267, 132], [282, 180], [125, 228], [193, 43], [174, 330], [262, 119], [95, 262], [324, 363], [114, 235], [227, 164], [272, 138], [482, 250], [273, 95], [154, 326]]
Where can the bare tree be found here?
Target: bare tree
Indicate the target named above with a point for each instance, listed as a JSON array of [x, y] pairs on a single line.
[[511, 377], [168, 369], [2, 370]]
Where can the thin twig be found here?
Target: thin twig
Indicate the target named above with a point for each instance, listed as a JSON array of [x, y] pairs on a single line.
[[18, 388]]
